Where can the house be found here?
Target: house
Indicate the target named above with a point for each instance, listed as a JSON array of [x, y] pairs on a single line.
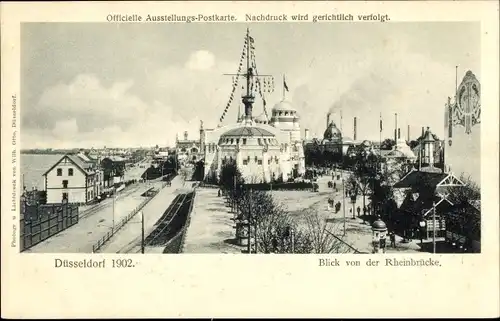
[[421, 194], [72, 178]]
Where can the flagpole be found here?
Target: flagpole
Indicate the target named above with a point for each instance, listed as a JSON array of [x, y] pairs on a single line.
[[283, 87]]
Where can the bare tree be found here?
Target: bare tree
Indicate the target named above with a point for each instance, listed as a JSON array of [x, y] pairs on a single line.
[[322, 239]]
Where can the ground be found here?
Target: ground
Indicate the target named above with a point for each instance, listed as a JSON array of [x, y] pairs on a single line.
[[211, 228], [128, 239]]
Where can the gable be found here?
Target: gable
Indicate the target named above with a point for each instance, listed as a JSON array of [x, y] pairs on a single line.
[[68, 158]]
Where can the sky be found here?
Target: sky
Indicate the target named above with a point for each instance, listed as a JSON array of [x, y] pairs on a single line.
[[128, 85]]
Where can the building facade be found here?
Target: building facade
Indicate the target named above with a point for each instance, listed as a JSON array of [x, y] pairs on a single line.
[[463, 128], [188, 149], [73, 179]]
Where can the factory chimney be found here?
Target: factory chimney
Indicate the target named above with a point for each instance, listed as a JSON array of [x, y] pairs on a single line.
[[355, 129], [306, 134], [408, 133], [399, 133]]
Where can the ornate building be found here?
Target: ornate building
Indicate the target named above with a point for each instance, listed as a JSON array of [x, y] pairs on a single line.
[[189, 149], [463, 128], [263, 149]]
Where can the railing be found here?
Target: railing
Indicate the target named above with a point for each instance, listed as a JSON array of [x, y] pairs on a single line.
[[188, 221], [120, 224]]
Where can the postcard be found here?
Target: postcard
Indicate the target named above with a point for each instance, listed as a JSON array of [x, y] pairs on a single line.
[[149, 148]]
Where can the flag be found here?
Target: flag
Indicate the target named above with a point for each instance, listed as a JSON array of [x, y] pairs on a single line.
[[284, 84]]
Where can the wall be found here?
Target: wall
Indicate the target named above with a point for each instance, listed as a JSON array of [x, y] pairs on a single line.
[[464, 154], [40, 222]]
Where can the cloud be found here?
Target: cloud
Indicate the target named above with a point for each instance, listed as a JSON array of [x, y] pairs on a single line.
[[387, 79], [201, 60], [85, 113]]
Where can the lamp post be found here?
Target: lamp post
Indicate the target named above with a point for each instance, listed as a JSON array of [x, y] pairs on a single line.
[[292, 237], [422, 225], [379, 232]]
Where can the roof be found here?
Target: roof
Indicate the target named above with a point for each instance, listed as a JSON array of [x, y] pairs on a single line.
[[283, 106], [414, 178], [423, 205], [81, 164], [248, 131]]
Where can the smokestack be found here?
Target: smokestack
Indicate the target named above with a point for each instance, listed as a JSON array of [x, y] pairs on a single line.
[[185, 135], [306, 134], [408, 133], [327, 120], [423, 132], [355, 129], [395, 127], [399, 133]]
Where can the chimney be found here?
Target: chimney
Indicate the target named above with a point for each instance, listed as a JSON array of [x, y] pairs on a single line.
[[355, 129], [185, 135], [423, 132], [399, 133], [306, 134], [408, 133], [327, 120]]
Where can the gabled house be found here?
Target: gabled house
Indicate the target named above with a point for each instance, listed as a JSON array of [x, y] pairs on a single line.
[[419, 193], [73, 179]]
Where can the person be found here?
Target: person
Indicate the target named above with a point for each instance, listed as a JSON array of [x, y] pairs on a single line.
[[393, 239], [359, 210], [218, 193], [335, 185]]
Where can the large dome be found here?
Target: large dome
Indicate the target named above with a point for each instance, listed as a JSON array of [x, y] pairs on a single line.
[[247, 131], [248, 135], [332, 132]]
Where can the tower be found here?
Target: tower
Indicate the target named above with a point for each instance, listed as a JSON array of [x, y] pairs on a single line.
[[185, 135]]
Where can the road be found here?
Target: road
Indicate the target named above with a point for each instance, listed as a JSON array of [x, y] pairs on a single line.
[[93, 225]]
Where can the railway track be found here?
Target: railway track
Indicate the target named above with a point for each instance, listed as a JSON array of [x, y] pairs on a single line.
[[161, 234], [91, 211]]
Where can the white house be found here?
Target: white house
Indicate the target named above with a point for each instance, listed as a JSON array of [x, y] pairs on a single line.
[[73, 179]]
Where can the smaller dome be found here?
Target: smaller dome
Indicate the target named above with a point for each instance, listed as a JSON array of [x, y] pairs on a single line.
[[262, 118], [332, 132], [379, 225], [283, 106], [429, 136]]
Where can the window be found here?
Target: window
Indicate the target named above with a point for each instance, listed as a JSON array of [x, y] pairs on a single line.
[[64, 196], [59, 172], [258, 141], [268, 162], [237, 141], [70, 171], [65, 183], [256, 159], [244, 141], [245, 162], [259, 162]]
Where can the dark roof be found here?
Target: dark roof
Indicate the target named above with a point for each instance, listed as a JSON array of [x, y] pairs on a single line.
[[415, 178], [248, 131], [422, 205], [83, 166]]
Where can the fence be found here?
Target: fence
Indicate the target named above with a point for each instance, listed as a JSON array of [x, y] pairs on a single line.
[[120, 224], [40, 222], [186, 225]]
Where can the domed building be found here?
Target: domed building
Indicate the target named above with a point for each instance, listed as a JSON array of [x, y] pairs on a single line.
[[263, 149]]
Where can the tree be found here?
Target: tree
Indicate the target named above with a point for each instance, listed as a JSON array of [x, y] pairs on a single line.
[[387, 144], [322, 240], [466, 219], [229, 175]]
